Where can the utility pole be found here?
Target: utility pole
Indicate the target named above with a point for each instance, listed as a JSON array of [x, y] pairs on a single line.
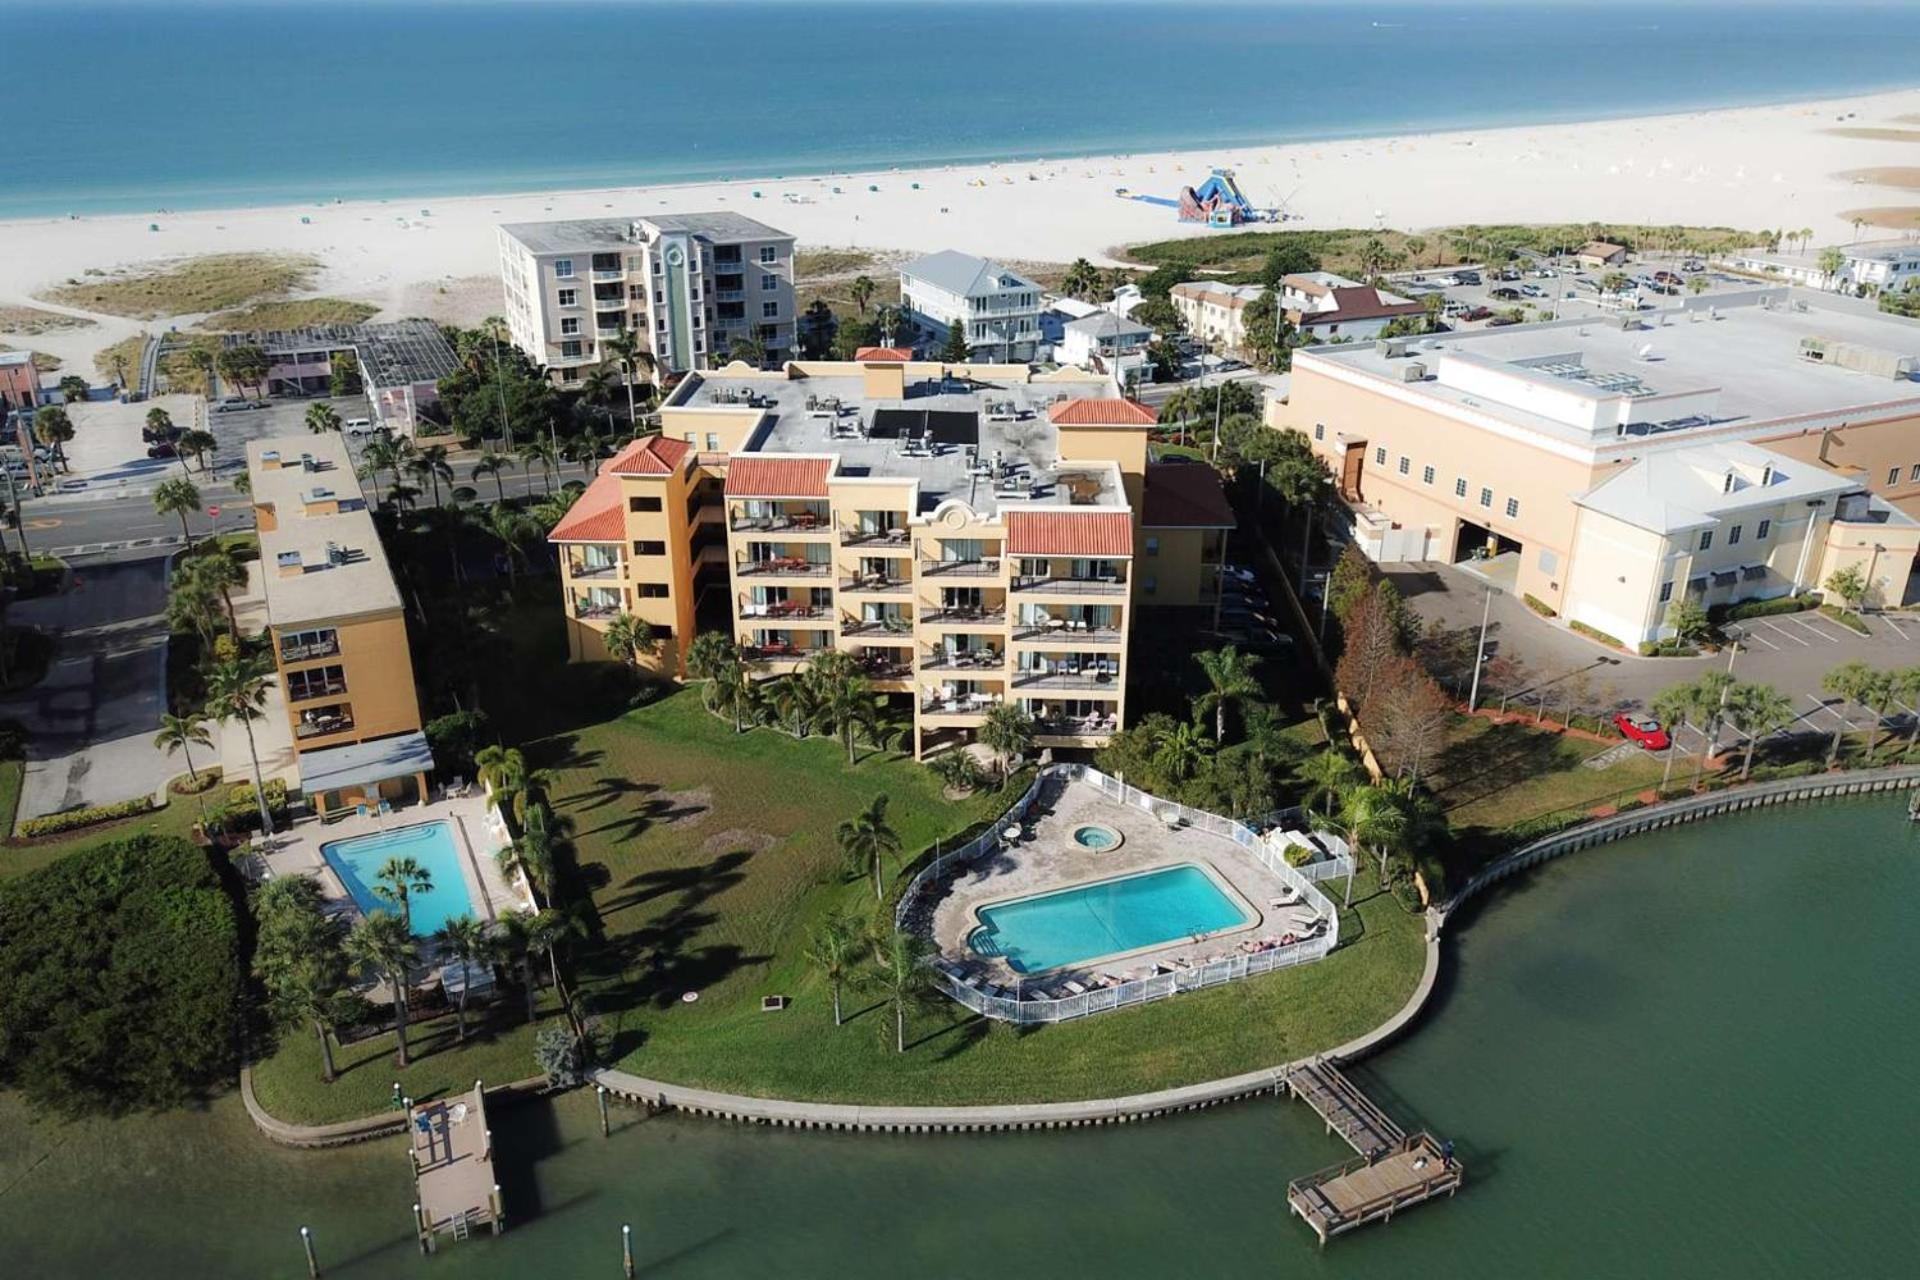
[[1480, 651]]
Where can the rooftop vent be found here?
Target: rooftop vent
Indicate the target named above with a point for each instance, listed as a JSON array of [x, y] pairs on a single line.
[[1413, 371], [270, 460], [1391, 348], [336, 554]]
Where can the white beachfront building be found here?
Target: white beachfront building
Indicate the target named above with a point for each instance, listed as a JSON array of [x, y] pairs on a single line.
[[1113, 344], [999, 308], [1880, 264]]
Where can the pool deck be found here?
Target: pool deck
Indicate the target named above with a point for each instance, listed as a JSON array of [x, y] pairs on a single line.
[[1047, 859]]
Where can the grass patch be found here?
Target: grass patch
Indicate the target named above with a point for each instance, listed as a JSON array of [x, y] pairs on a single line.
[[32, 321], [499, 1049], [128, 352], [1845, 617], [292, 313], [213, 282], [13, 774], [17, 857], [812, 264]]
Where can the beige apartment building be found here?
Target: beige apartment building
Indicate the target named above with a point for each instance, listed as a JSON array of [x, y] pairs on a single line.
[[1739, 450], [689, 284], [336, 626], [973, 535]]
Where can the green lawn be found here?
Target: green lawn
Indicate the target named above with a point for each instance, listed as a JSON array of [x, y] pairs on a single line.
[[19, 857]]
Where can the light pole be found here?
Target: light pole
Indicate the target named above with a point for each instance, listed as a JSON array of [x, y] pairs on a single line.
[[1480, 651]]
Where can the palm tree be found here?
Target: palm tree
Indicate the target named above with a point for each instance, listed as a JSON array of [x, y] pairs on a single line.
[[1373, 817], [861, 291], [1854, 681], [321, 418], [1326, 776], [216, 570], [1081, 279], [403, 495], [547, 933], [797, 703], [749, 349], [492, 464], [182, 734], [1906, 687], [532, 854], [237, 691], [198, 445], [867, 841], [731, 693], [1758, 710], [398, 879], [629, 639], [470, 944], [177, 497], [1230, 683], [383, 944], [831, 948], [1008, 733], [596, 388], [1181, 751], [1673, 707], [631, 354], [430, 464], [53, 428], [845, 697], [299, 956], [513, 531], [710, 654], [902, 977], [385, 453], [539, 450], [516, 940]]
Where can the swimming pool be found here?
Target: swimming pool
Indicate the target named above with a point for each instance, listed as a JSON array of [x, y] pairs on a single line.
[[358, 860], [1105, 918]]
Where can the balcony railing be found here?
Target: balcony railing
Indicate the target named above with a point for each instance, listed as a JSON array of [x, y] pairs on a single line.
[[876, 584], [308, 652], [779, 652], [606, 273], [1060, 584], [784, 612], [609, 304], [307, 692], [853, 537], [590, 611], [1100, 681], [968, 704], [877, 668], [1074, 726], [988, 568], [1061, 628], [798, 521], [901, 628], [579, 569], [318, 724], [966, 660], [729, 295], [784, 567], [967, 617]]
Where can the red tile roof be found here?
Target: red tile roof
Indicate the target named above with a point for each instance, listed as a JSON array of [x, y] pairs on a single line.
[[648, 456], [596, 515], [864, 354], [1185, 495], [1102, 413], [1069, 533], [749, 476]]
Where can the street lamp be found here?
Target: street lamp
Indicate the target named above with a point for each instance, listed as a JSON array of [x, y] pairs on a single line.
[[1480, 651]]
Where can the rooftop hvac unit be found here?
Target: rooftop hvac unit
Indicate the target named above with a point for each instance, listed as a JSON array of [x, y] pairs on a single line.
[[1413, 372], [1629, 323], [1645, 352], [1391, 348]]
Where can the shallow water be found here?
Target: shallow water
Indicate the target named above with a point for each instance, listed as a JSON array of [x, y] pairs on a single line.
[[1691, 1054]]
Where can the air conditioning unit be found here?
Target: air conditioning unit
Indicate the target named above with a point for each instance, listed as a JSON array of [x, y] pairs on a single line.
[[1413, 372]]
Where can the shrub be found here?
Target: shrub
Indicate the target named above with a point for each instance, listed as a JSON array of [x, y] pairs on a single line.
[[455, 738], [1671, 648], [241, 813], [1540, 606], [1763, 608], [1594, 633], [119, 978], [1298, 855], [1845, 617], [74, 819]]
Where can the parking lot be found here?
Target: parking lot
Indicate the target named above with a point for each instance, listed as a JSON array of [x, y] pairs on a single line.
[[1565, 293]]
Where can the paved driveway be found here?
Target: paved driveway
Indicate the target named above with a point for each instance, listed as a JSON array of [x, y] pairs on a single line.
[[90, 722]]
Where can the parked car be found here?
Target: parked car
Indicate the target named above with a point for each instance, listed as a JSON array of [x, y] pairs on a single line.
[[159, 435], [1692, 267], [1457, 308], [1466, 277], [1645, 730], [1667, 277], [1532, 291], [1500, 322], [357, 426], [1504, 294], [164, 449], [1476, 313]]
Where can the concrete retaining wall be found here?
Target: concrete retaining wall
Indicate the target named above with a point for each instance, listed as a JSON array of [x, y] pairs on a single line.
[[364, 1129]]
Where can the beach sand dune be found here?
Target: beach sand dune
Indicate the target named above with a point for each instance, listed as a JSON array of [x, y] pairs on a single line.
[[1901, 177], [1778, 166]]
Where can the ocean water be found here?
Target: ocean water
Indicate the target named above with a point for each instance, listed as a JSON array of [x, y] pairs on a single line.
[[130, 105]]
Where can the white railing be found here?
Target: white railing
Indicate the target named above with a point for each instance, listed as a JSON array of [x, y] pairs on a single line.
[[1021, 1007]]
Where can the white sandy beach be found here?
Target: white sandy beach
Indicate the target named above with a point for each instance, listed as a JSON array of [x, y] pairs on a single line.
[[1755, 167]]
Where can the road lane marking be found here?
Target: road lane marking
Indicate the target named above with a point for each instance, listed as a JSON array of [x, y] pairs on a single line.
[[1774, 626]]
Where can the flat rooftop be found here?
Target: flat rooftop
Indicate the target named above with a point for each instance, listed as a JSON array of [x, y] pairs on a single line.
[[1712, 364], [343, 569], [576, 235], [944, 433]]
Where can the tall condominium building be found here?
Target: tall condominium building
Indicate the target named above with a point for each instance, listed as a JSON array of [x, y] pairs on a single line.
[[336, 626], [690, 285], [972, 535], [999, 309], [1726, 450]]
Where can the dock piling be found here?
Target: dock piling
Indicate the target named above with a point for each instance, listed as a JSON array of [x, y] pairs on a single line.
[[313, 1261], [626, 1250]]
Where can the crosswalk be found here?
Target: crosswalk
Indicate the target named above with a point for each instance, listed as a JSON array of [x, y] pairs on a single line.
[[83, 549]]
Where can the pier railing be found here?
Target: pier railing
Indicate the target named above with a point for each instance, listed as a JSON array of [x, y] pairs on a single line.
[[1269, 851]]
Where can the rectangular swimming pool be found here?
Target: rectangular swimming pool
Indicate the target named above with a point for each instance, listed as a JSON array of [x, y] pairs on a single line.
[[1108, 917], [358, 860]]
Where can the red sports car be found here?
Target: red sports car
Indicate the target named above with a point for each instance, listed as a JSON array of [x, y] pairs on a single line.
[[1644, 730]]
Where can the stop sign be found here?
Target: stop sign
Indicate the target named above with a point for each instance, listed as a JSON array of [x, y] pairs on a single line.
[[214, 512]]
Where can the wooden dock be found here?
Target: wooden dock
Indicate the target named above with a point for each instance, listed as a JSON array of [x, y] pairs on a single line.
[[1390, 1170], [453, 1182]]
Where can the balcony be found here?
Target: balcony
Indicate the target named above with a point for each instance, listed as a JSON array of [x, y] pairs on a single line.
[[609, 273], [779, 651], [309, 652], [961, 704], [966, 660], [308, 690], [900, 629], [784, 611], [876, 666], [783, 567], [594, 610], [876, 584], [988, 568], [609, 304], [966, 617], [1062, 585], [581, 571], [1095, 681], [782, 522], [729, 295], [323, 721], [881, 538], [1047, 725], [1059, 629]]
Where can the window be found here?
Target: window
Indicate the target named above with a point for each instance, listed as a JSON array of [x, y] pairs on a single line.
[[769, 310], [1706, 539], [1406, 464], [563, 268], [1380, 457], [569, 375], [1666, 591], [638, 505], [651, 591], [1153, 546], [317, 682], [1149, 584], [1486, 497], [1460, 487], [713, 443], [1893, 476], [1733, 536], [1319, 431], [1426, 475], [570, 325], [649, 547], [569, 297], [570, 349], [1513, 508], [769, 283], [769, 255], [1913, 475], [299, 646], [1760, 534]]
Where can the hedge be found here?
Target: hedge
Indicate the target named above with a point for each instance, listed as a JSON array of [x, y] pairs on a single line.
[[1595, 633], [242, 813], [1540, 606], [73, 819], [1762, 608]]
